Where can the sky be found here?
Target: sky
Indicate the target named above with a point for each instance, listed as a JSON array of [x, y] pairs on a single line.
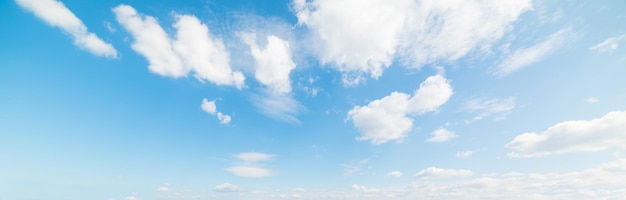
[[312, 99]]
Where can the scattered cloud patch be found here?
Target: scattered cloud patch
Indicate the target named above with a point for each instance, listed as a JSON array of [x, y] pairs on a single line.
[[193, 50], [442, 135], [464, 154], [610, 44], [395, 174], [273, 64], [387, 119], [209, 107], [434, 172], [573, 136], [56, 14], [422, 32], [525, 57], [163, 189], [593, 100], [251, 165], [354, 167], [226, 187], [488, 107], [299, 189]]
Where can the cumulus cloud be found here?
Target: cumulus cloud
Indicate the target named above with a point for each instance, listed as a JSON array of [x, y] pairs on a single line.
[[597, 134], [442, 135], [488, 107], [525, 57], [395, 174], [273, 64], [209, 107], [226, 187], [610, 44], [56, 14], [363, 37], [193, 50], [250, 166], [387, 119], [464, 154], [434, 172]]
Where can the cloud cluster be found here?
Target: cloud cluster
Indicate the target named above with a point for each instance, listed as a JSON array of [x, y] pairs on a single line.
[[573, 136], [442, 135], [388, 118], [250, 166], [211, 108], [364, 37], [56, 14], [193, 50]]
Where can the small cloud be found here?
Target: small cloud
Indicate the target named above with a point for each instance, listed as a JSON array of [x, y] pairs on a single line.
[[226, 187], [609, 45], [442, 135], [395, 174], [254, 157], [299, 189], [488, 107], [354, 167], [434, 172], [163, 189], [210, 107], [464, 154], [593, 100], [250, 171]]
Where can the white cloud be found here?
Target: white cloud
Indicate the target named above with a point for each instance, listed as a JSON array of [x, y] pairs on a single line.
[[442, 135], [226, 187], [363, 37], [354, 167], [250, 167], [525, 57], [573, 136], [299, 189], [163, 189], [489, 107], [210, 107], [273, 64], [56, 14], [593, 100], [610, 44], [193, 50], [386, 119], [250, 171], [395, 174], [464, 154], [434, 172], [130, 198], [254, 157]]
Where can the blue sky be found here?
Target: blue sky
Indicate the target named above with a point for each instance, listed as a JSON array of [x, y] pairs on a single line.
[[312, 99]]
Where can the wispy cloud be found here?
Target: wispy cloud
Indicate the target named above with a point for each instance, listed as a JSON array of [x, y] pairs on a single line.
[[56, 14], [610, 44], [251, 165], [525, 57], [488, 107]]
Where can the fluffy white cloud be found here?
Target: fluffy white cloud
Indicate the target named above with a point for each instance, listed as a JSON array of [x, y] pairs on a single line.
[[573, 136], [210, 107], [609, 45], [254, 157], [386, 119], [442, 135], [226, 187], [527, 56], [395, 174], [489, 107], [434, 172], [354, 36], [193, 50], [56, 14], [464, 154], [250, 171], [363, 37], [273, 65]]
